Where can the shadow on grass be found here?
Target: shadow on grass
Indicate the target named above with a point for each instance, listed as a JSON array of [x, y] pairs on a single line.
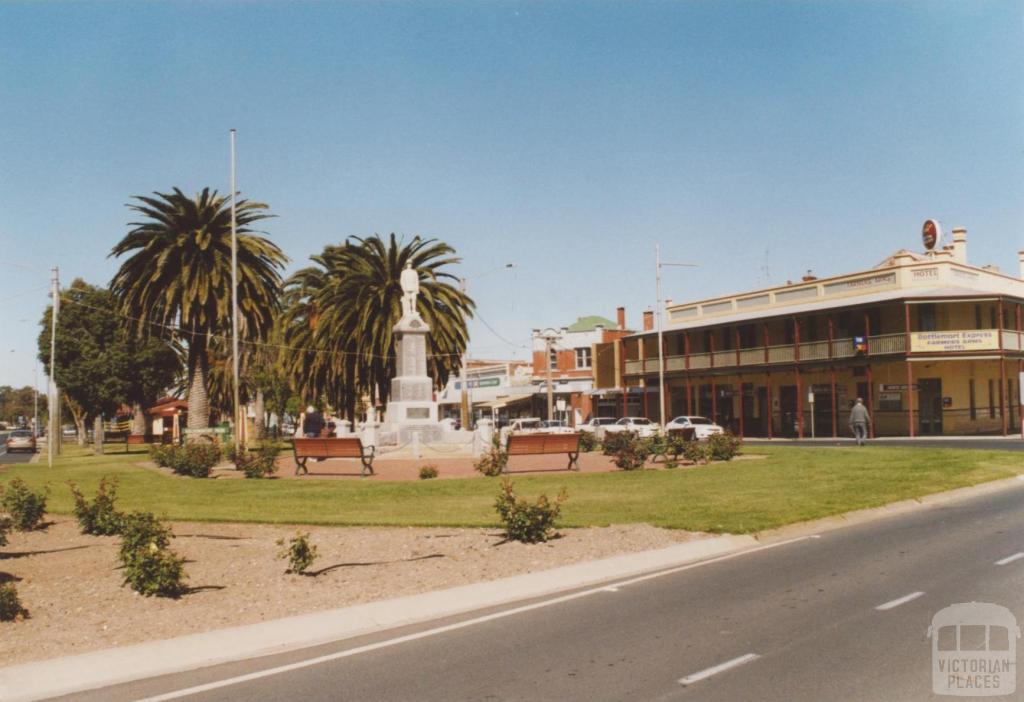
[[327, 569], [23, 554]]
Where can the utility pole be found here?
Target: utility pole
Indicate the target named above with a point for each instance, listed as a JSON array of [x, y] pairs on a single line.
[[35, 400], [464, 403], [234, 300], [661, 343], [550, 335], [52, 441]]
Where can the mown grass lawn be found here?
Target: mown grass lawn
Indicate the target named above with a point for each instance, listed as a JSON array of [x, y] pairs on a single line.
[[789, 485]]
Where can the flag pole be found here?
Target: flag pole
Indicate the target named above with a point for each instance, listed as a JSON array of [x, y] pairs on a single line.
[[234, 299]]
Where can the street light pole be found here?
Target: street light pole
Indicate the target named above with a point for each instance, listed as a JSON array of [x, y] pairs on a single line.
[[550, 335], [54, 401], [234, 299], [465, 409], [661, 345]]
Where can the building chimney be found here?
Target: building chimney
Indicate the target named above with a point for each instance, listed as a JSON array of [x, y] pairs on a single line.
[[621, 317], [648, 320], [1020, 257], [960, 245]]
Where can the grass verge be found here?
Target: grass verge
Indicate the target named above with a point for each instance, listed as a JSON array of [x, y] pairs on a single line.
[[789, 485]]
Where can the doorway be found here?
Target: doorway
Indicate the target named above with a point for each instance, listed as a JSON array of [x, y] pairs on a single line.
[[929, 398]]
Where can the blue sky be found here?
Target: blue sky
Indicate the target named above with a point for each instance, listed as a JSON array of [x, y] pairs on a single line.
[[564, 137]]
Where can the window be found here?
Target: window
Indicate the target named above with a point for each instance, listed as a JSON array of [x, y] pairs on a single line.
[[977, 316], [926, 317], [553, 359], [974, 407], [583, 357]]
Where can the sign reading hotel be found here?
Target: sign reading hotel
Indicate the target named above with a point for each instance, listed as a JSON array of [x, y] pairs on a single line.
[[948, 341]]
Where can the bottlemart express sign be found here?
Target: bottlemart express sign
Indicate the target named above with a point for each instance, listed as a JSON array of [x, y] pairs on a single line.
[[961, 340]]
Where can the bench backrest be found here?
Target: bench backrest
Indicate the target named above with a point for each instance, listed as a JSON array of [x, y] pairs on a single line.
[[333, 447], [524, 444]]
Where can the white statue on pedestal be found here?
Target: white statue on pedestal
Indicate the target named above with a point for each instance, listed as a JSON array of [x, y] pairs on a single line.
[[410, 281]]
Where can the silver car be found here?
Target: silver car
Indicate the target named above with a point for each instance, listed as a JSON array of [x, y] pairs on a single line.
[[21, 440]]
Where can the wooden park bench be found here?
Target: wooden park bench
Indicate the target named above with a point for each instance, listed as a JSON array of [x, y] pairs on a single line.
[[545, 443], [332, 447]]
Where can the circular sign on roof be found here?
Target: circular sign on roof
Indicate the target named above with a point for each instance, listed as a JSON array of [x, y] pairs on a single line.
[[931, 234]]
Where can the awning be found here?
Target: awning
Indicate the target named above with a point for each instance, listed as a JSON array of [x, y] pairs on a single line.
[[506, 400]]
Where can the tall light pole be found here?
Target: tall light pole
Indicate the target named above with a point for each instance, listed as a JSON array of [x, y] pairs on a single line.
[[234, 298], [658, 263], [550, 336], [54, 401]]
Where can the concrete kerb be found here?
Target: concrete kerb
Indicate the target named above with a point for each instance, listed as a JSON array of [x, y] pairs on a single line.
[[97, 669]]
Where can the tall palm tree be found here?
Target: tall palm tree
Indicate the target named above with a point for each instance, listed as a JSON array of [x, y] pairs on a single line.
[[341, 312], [178, 277]]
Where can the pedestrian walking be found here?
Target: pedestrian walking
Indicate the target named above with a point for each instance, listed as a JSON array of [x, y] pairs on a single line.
[[859, 421]]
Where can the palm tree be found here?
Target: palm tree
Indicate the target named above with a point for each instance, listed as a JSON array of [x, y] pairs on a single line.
[[177, 279], [341, 311]]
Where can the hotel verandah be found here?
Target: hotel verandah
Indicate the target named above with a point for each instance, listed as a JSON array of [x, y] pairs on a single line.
[[933, 345]]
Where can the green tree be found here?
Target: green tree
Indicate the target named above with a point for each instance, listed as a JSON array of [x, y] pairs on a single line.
[[340, 313], [20, 402], [176, 279], [100, 365]]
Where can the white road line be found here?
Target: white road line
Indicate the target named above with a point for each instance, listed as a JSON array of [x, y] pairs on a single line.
[[177, 694], [896, 603], [720, 668], [1011, 559], [611, 589]]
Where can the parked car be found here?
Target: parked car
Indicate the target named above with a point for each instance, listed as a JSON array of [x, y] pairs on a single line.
[[595, 423], [555, 425], [702, 426], [69, 432], [526, 425], [21, 440], [641, 426]]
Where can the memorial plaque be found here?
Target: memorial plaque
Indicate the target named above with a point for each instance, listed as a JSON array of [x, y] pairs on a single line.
[[417, 413]]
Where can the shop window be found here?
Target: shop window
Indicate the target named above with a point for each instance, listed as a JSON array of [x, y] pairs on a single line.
[[992, 318], [553, 359], [977, 316], [583, 357]]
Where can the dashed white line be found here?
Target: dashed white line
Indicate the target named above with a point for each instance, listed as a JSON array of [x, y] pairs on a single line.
[[611, 589], [896, 603], [720, 668], [1010, 559]]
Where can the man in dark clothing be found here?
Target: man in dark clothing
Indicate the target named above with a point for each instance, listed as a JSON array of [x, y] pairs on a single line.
[[312, 423], [859, 421]]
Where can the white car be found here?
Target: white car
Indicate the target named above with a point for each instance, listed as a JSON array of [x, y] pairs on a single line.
[[702, 426], [594, 424], [641, 426], [526, 425]]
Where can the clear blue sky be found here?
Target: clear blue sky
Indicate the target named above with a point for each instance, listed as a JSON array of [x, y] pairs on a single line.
[[564, 137]]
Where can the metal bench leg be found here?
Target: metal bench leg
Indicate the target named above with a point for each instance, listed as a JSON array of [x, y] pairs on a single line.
[[300, 465], [573, 461]]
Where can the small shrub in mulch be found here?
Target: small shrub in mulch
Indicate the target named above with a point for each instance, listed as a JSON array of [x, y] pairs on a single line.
[[261, 463], [723, 447], [5, 526], [98, 517], [195, 460], [525, 522], [428, 472], [696, 452], [299, 552], [632, 452], [25, 507], [588, 441], [150, 567], [10, 605], [613, 441]]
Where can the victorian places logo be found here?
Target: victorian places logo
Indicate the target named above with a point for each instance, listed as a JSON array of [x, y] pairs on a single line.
[[974, 650]]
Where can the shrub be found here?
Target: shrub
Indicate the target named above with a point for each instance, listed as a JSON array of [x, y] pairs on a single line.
[[99, 518], [723, 447], [493, 462], [428, 472], [696, 452], [675, 444], [26, 508], [615, 440], [195, 459], [156, 571], [140, 532], [258, 464], [150, 568], [299, 552], [10, 605], [525, 522], [161, 454], [5, 526], [632, 452], [588, 441]]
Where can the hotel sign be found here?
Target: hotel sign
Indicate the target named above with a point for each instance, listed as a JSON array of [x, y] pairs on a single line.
[[961, 340]]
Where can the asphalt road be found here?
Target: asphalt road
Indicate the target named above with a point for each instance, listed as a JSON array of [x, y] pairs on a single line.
[[796, 622]]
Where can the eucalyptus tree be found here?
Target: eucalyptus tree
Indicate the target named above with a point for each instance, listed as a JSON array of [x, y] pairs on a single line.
[[176, 277]]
